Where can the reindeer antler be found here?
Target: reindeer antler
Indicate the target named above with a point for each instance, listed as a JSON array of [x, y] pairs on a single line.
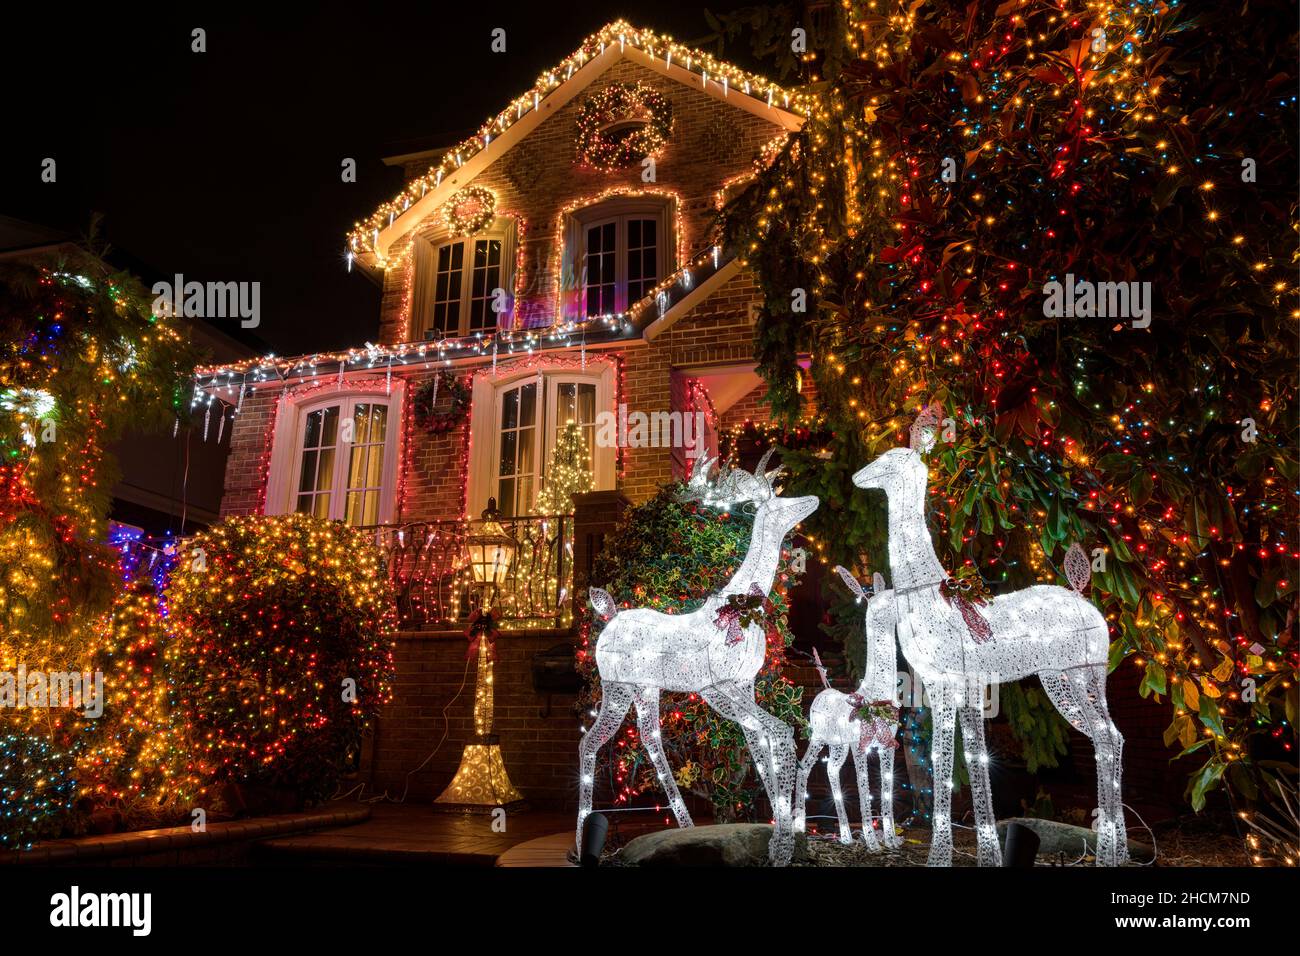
[[729, 486]]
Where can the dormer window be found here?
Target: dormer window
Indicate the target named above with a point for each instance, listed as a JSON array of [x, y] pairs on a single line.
[[454, 292], [617, 252]]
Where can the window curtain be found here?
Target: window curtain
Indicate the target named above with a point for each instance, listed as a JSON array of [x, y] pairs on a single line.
[[426, 276]]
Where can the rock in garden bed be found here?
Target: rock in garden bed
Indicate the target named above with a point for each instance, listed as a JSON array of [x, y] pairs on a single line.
[[1065, 841]]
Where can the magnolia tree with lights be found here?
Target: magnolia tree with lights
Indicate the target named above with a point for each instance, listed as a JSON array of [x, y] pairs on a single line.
[[957, 644], [958, 165], [859, 723], [715, 651]]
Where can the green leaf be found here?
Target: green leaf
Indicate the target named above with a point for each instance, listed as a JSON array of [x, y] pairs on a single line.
[[1140, 488], [1155, 678], [1210, 716], [1206, 781]]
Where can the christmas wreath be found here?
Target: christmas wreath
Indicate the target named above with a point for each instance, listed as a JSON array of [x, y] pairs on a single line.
[[441, 402], [621, 125], [469, 211]]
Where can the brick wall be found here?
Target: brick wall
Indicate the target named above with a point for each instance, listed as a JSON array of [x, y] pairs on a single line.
[[246, 465], [539, 749]]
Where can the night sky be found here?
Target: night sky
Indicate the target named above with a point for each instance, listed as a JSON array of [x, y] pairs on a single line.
[[225, 165]]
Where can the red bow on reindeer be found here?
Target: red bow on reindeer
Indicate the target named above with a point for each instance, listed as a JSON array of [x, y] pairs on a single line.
[[878, 721], [482, 627], [965, 594], [740, 611]]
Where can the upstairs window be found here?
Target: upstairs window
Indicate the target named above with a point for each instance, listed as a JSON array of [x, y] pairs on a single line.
[[455, 284], [617, 251]]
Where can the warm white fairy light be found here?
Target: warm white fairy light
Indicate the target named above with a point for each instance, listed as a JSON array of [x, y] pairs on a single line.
[[1050, 631], [835, 724], [642, 652]]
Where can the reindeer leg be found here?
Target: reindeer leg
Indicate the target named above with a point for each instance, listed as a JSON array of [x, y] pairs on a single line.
[[977, 763], [944, 726], [861, 766], [801, 786], [833, 767], [647, 721], [1108, 744], [614, 702], [888, 834], [771, 742], [1097, 684], [1069, 691]]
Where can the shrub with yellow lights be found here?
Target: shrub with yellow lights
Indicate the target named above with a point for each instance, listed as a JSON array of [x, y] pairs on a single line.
[[281, 648], [139, 757]]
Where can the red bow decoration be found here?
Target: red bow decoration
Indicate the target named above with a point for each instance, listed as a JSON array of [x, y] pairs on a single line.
[[482, 626], [878, 721], [740, 611], [955, 591]]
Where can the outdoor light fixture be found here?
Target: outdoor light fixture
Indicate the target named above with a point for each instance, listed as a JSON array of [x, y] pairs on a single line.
[[481, 783], [491, 550]]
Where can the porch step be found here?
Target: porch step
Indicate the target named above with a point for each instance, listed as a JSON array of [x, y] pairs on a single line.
[[412, 835]]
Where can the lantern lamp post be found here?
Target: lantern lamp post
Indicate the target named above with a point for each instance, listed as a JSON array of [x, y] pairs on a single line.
[[481, 783]]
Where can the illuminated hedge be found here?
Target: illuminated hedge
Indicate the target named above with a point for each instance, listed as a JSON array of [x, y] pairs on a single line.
[[281, 653]]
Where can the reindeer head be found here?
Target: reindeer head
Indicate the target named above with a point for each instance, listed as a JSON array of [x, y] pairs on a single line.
[[893, 470], [736, 486]]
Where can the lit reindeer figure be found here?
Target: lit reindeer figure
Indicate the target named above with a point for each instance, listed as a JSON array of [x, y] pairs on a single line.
[[954, 645], [642, 652], [836, 724]]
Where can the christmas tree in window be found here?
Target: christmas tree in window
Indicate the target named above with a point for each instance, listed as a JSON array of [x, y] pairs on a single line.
[[568, 473]]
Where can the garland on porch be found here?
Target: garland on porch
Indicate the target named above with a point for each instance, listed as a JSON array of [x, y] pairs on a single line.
[[606, 149], [442, 386]]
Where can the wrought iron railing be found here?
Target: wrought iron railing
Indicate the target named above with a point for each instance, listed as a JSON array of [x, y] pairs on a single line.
[[429, 568]]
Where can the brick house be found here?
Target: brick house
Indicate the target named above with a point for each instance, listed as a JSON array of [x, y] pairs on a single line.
[[546, 270]]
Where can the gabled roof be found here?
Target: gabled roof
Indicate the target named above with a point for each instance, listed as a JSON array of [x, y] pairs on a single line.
[[370, 240]]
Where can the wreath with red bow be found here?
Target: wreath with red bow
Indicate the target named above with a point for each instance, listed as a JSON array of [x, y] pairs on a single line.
[[440, 403], [966, 591]]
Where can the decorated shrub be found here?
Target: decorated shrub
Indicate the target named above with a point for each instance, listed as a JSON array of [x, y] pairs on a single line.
[[281, 648], [37, 787], [138, 759], [671, 555]]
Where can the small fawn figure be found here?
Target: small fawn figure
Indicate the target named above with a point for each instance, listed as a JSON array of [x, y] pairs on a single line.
[[838, 722]]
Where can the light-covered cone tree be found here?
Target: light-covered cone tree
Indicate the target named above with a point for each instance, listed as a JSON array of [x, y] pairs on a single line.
[[568, 473]]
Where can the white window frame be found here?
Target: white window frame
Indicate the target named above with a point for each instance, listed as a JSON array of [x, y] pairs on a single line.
[[485, 428], [502, 229], [619, 210], [290, 429]]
